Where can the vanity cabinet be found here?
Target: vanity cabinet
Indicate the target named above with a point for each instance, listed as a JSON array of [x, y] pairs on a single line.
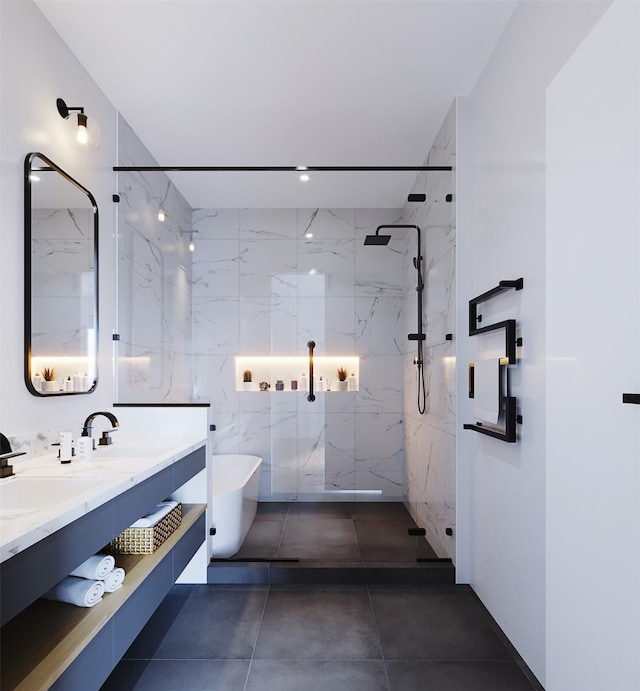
[[55, 645]]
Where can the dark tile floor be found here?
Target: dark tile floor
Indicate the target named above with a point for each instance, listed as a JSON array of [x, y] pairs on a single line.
[[302, 638], [332, 543], [366, 532]]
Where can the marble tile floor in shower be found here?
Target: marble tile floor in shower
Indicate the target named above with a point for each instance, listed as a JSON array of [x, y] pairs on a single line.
[[314, 638], [324, 542]]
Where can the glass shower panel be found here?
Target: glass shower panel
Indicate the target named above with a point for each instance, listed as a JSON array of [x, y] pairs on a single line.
[[298, 438]]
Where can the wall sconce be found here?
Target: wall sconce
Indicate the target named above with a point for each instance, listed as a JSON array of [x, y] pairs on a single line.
[[87, 133]]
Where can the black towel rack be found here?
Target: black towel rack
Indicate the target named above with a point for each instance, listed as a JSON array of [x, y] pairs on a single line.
[[508, 404]]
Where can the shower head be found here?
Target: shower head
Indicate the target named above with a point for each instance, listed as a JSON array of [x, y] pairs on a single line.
[[377, 239]]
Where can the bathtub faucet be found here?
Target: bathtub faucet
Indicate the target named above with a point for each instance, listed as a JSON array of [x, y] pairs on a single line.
[[105, 439]]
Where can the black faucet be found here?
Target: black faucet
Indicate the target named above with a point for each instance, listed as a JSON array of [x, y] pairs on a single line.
[[105, 439], [6, 470]]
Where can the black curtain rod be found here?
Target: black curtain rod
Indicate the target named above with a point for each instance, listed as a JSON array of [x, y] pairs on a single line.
[[278, 169]]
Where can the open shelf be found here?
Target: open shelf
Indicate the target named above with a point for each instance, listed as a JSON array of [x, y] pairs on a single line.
[[44, 640], [271, 369]]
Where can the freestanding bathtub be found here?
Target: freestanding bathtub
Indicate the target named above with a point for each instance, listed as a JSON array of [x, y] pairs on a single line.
[[236, 484]]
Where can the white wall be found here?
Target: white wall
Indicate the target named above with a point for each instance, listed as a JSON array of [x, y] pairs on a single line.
[[501, 232], [593, 342], [37, 68]]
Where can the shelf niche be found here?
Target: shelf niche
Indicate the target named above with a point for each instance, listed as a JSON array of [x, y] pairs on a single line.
[[266, 368]]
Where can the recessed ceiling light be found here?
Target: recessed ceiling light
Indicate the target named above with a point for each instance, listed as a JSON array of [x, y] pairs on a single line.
[[308, 235], [304, 177]]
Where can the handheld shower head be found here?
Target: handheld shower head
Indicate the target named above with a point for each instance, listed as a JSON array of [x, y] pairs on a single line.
[[377, 239]]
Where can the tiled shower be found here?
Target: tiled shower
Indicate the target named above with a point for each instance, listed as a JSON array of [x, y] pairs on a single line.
[[260, 284]]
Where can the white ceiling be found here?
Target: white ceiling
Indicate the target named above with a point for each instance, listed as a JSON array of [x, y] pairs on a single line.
[[283, 83]]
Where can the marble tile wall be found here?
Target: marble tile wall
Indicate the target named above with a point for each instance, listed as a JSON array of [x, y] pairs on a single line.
[[62, 283], [430, 438], [257, 284], [153, 282], [262, 287]]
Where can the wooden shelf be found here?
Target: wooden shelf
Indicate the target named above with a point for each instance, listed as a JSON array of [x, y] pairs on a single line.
[[45, 639]]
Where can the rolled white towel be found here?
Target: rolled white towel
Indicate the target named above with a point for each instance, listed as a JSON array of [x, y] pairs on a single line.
[[114, 580], [95, 568], [81, 592], [160, 511]]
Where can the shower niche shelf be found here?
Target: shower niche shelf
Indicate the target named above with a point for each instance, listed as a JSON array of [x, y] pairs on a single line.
[[286, 369]]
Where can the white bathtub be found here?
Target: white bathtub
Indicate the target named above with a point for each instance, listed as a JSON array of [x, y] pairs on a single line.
[[236, 483]]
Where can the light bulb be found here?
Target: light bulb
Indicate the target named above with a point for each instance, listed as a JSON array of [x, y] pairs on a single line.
[[82, 135]]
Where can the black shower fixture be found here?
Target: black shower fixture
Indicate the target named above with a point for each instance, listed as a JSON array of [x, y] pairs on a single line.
[[414, 197], [379, 240]]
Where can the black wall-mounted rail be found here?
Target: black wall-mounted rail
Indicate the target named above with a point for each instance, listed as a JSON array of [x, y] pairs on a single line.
[[311, 396], [631, 398], [509, 434], [278, 169], [508, 404], [509, 325]]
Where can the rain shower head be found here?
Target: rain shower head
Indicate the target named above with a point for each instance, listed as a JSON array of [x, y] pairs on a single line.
[[377, 239]]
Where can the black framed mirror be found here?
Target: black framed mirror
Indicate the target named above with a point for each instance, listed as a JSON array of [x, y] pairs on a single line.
[[60, 281]]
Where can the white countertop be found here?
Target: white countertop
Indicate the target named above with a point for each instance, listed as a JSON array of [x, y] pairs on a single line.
[[113, 470]]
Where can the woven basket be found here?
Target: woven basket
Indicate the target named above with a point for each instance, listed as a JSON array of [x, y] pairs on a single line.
[[146, 540]]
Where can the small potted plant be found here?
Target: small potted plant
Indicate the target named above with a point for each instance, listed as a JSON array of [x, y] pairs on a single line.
[[49, 376], [247, 378], [342, 379]]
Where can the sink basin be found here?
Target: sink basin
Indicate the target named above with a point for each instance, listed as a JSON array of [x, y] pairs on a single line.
[[33, 493], [132, 452]]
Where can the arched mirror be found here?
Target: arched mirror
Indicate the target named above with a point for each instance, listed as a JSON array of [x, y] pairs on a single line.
[[61, 281]]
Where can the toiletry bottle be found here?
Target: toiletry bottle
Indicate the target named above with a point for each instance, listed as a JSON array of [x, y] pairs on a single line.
[[37, 381], [66, 447], [304, 386], [77, 382], [353, 385], [86, 382], [68, 384], [320, 385], [85, 448]]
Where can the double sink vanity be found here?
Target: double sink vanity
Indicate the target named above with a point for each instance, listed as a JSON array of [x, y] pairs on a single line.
[[53, 516]]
